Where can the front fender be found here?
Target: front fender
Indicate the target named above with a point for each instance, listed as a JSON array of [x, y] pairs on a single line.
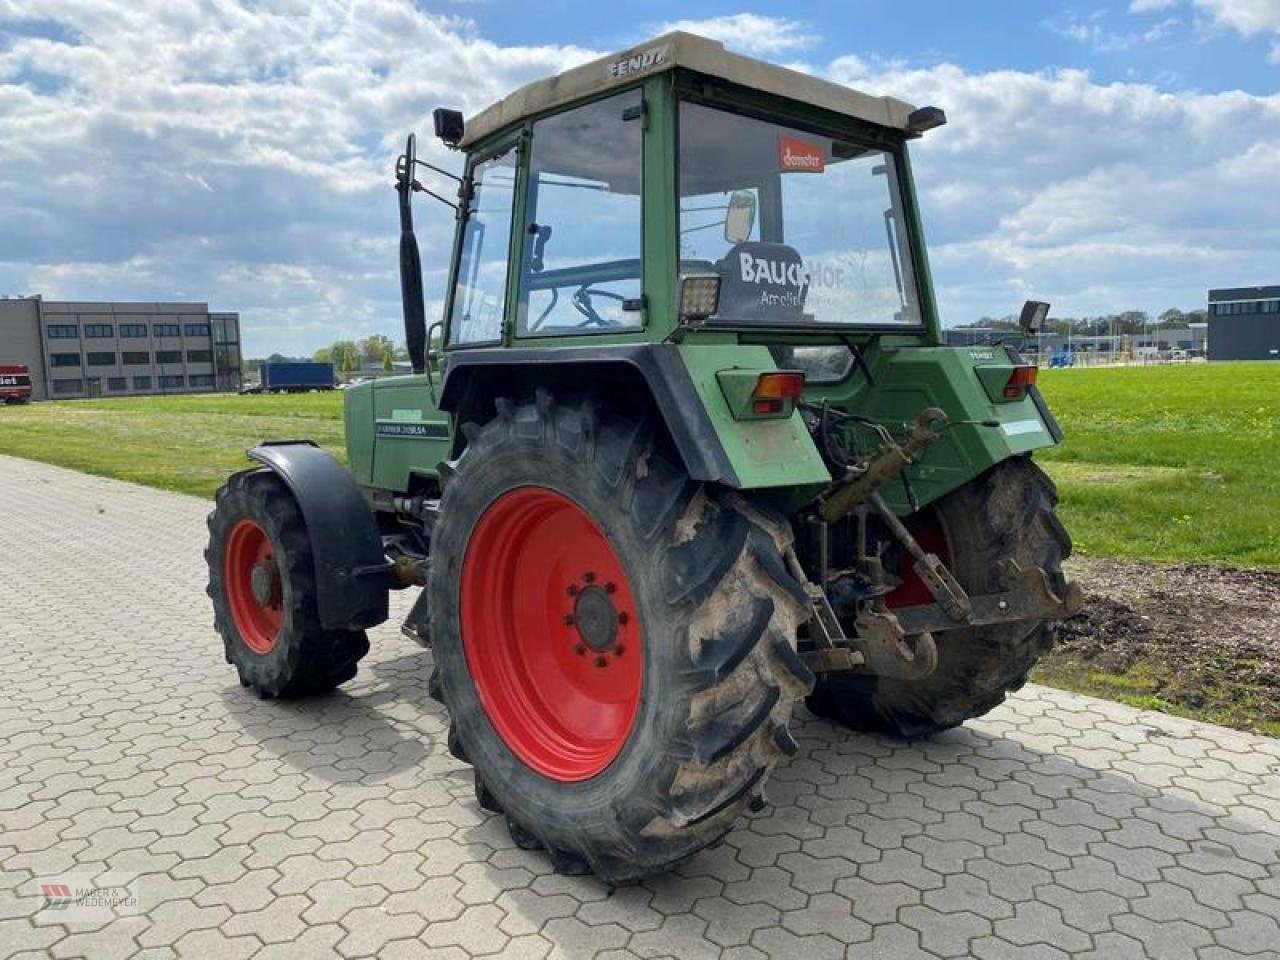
[[343, 532]]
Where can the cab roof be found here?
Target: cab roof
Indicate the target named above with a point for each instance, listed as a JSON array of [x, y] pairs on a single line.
[[688, 51]]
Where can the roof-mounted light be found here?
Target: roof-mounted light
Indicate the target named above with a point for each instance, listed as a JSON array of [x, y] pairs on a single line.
[[925, 119]]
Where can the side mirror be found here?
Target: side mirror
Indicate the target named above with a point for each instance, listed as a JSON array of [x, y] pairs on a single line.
[[741, 217], [449, 125], [1034, 314]]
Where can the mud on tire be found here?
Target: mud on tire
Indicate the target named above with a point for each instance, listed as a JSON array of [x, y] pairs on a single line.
[[305, 658], [1008, 511], [718, 612]]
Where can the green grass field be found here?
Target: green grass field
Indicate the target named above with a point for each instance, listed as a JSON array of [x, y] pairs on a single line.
[[1174, 463], [188, 443]]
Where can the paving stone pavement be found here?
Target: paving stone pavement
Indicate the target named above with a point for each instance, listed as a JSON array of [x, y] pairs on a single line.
[[1059, 826]]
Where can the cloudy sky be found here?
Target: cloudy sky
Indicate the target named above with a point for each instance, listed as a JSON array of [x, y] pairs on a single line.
[[1103, 155]]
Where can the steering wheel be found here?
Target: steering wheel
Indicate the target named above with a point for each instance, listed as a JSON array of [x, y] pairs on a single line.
[[582, 303]]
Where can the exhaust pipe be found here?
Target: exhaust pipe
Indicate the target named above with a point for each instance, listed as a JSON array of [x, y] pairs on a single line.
[[415, 319]]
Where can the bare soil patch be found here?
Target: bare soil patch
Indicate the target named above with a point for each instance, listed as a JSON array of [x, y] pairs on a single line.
[[1195, 640]]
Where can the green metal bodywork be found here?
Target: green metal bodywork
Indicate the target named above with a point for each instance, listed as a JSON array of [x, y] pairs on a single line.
[[909, 369]]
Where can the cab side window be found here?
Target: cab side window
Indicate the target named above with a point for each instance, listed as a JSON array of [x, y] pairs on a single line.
[[480, 297], [582, 267]]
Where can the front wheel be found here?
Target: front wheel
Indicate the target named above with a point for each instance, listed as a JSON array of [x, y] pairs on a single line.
[[614, 642], [263, 588], [1006, 512]]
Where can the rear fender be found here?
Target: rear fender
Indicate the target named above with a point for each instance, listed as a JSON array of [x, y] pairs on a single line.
[[680, 383], [345, 541], [982, 431]]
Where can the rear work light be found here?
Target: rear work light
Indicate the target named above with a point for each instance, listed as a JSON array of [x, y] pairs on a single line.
[[774, 390], [699, 297], [1020, 381]]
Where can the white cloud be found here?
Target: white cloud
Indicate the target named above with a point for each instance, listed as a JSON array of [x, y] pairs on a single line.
[[1146, 6], [1091, 31], [242, 155], [239, 154], [1249, 17], [749, 32], [1097, 196]]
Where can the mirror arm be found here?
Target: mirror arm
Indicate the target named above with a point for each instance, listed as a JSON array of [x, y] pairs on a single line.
[[419, 188], [442, 172]]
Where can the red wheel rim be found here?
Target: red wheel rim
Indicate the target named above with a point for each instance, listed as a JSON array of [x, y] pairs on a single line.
[[550, 633], [254, 587], [927, 529]]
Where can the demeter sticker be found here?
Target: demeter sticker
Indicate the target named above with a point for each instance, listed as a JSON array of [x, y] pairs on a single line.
[[800, 156]]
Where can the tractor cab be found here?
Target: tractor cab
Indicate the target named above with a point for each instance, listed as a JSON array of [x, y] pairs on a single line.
[[680, 187]]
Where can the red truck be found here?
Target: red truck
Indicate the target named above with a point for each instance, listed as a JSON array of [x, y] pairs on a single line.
[[15, 383]]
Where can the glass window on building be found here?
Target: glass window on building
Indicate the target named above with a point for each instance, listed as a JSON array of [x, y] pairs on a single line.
[[68, 386], [63, 331], [135, 358], [200, 380], [197, 330], [100, 359], [99, 330], [133, 329], [165, 329], [142, 383], [168, 356], [117, 384], [64, 359], [226, 354], [169, 380], [199, 356]]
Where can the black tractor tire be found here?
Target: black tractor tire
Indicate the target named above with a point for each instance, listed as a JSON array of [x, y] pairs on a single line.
[[718, 612], [1006, 512], [304, 658]]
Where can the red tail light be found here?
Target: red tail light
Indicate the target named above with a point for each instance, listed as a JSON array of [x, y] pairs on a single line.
[[1020, 381], [773, 390]]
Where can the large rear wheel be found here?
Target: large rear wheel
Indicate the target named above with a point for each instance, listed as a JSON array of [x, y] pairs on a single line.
[[1006, 512], [615, 643], [262, 584]]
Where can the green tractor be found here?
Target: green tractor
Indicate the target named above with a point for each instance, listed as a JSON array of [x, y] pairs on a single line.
[[685, 449]]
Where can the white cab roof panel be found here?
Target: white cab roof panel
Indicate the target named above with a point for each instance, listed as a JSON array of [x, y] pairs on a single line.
[[691, 52]]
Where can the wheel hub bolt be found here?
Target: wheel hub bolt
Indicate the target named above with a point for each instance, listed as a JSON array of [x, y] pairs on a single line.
[[589, 577], [568, 619], [601, 662]]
